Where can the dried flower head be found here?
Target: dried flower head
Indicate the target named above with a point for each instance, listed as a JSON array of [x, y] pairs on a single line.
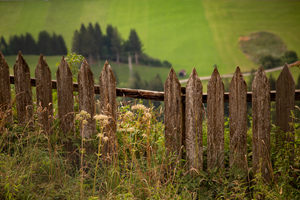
[[129, 114], [100, 117], [130, 129], [105, 138], [138, 107]]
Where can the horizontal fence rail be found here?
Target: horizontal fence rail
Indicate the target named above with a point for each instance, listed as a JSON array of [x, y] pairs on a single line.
[[152, 95]]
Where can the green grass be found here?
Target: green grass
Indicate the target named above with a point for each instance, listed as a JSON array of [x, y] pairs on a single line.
[[122, 70], [188, 33]]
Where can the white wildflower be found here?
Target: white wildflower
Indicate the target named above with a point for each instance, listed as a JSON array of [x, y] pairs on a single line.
[[100, 117], [144, 135], [128, 114], [100, 135], [138, 107], [147, 115], [130, 129], [105, 138]]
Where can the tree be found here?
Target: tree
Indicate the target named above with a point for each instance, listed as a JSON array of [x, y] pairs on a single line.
[[116, 44], [98, 40], [76, 46], [135, 44], [44, 43], [30, 46], [269, 62], [290, 57], [4, 46], [272, 82], [156, 84]]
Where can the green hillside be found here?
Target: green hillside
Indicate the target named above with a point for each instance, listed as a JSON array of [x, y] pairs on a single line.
[[190, 33]]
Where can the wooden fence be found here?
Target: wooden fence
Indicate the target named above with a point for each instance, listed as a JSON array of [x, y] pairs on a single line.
[[183, 109]]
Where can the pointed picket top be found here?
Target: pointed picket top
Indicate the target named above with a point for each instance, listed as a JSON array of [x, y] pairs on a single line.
[[108, 106], [285, 103], [23, 91], [261, 127], [5, 92], [193, 122], [238, 120], [173, 115], [215, 121], [86, 97], [44, 93]]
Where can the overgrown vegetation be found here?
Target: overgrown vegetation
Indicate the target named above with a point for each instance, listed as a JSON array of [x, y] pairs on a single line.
[[35, 165]]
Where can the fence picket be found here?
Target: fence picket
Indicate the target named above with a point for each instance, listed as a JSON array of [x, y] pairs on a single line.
[[215, 121], [65, 101], [23, 91], [108, 105], [285, 103], [173, 114], [238, 120], [261, 127], [5, 93], [86, 96], [193, 122], [44, 93]]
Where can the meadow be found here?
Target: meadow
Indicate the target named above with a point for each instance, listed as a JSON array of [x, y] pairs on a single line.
[[187, 33]]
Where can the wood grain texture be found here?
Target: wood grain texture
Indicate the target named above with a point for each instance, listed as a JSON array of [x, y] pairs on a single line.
[[238, 120], [87, 97], [44, 94], [261, 127], [173, 115], [23, 91], [5, 92], [65, 100], [108, 105], [215, 121], [193, 122], [285, 104]]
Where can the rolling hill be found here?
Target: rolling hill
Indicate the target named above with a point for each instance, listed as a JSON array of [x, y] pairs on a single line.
[[189, 33]]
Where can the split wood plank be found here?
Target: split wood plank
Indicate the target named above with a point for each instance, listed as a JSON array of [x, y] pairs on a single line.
[[44, 94], [87, 97], [108, 106], [23, 91], [193, 122], [215, 121], [238, 120], [261, 127], [5, 92], [285, 104], [65, 101], [173, 115]]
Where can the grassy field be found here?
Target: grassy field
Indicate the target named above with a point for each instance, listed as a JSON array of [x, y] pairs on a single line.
[[122, 70], [187, 33]]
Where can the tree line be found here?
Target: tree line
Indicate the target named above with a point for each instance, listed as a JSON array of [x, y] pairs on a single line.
[[47, 44], [269, 61], [93, 44]]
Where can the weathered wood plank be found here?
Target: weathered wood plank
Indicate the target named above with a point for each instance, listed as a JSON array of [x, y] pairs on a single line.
[[87, 97], [5, 93], [261, 127], [173, 115], [153, 95], [23, 91], [285, 103], [193, 122], [108, 105], [215, 121], [44, 94], [65, 100], [238, 120]]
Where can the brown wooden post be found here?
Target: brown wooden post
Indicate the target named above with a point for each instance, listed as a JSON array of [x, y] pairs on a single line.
[[215, 121], [86, 96], [238, 120], [23, 91], [44, 94], [5, 93], [65, 101], [285, 103], [261, 127], [193, 122], [108, 105], [173, 115]]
